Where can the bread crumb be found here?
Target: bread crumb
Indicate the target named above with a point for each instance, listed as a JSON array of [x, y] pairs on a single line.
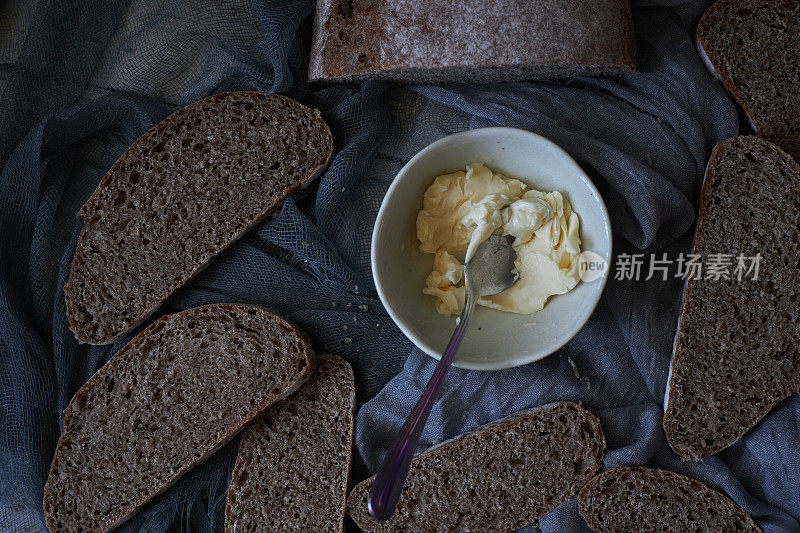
[[363, 308], [348, 340], [344, 327], [334, 304], [577, 374]]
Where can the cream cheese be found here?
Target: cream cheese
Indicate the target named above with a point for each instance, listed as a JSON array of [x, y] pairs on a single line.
[[460, 211]]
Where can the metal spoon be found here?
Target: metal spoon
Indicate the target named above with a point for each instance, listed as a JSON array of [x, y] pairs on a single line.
[[488, 272]]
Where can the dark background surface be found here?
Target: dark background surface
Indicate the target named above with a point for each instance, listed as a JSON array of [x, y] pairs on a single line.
[[81, 80]]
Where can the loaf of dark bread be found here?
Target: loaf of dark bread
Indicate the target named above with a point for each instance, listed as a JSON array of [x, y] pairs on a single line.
[[754, 48], [737, 348], [181, 194], [171, 397], [291, 472], [500, 477], [642, 499], [471, 41]]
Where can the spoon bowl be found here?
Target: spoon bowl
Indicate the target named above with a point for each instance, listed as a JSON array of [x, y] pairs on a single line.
[[491, 269]]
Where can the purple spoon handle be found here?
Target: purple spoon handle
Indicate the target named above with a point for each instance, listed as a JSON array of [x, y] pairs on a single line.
[[389, 481]]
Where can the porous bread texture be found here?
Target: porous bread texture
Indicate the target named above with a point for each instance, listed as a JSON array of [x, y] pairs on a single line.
[[737, 348], [291, 472], [437, 41], [754, 47], [643, 499], [167, 400], [181, 194], [500, 477]]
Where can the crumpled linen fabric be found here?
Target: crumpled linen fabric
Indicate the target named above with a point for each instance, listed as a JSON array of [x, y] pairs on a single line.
[[80, 81]]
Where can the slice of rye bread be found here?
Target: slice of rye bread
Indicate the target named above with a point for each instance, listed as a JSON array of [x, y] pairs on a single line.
[[171, 397], [499, 477], [291, 472], [644, 499], [753, 46], [737, 346], [494, 40], [181, 194]]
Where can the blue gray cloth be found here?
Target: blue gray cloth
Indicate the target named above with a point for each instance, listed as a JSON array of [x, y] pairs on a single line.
[[81, 80]]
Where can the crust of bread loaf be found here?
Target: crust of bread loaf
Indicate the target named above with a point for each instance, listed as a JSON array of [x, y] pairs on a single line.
[[409, 41]]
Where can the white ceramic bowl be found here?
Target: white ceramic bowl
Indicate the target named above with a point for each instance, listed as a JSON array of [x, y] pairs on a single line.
[[495, 339]]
